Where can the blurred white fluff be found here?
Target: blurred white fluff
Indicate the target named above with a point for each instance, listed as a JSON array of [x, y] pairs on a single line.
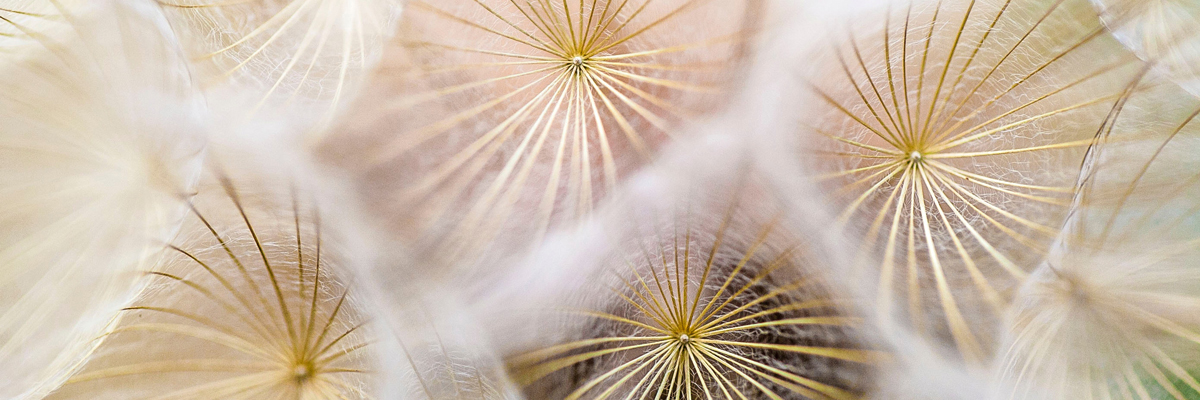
[[300, 60], [295, 59], [28, 22], [99, 142], [444, 353], [428, 343], [1113, 311], [1161, 31]]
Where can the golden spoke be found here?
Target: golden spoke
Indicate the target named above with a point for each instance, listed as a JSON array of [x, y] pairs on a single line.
[[903, 139], [656, 354], [283, 308], [890, 138], [966, 341], [996, 67], [253, 320], [422, 135], [817, 387], [201, 333], [896, 167], [958, 193], [439, 12], [970, 60], [887, 269], [945, 69], [720, 358], [834, 321], [1008, 265]]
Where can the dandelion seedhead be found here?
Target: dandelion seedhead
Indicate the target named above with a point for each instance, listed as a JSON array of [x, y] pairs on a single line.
[[1112, 313], [695, 311], [496, 109], [954, 138], [251, 304]]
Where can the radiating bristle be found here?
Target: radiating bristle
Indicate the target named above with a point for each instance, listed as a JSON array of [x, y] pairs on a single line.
[[951, 141], [507, 117]]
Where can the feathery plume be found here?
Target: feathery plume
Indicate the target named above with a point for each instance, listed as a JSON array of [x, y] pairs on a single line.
[[448, 355], [25, 23], [511, 117], [1161, 31], [307, 55], [952, 140], [1112, 311], [253, 302], [100, 139]]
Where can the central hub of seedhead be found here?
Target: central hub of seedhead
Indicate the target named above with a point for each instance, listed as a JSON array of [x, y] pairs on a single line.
[[577, 65], [914, 159], [302, 372]]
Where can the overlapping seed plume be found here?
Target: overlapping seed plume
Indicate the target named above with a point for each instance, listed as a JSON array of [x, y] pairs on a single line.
[[429, 344], [447, 356], [283, 55], [1112, 312], [252, 302], [1161, 31], [98, 143], [951, 140], [498, 116], [601, 199], [26, 22], [704, 303]]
